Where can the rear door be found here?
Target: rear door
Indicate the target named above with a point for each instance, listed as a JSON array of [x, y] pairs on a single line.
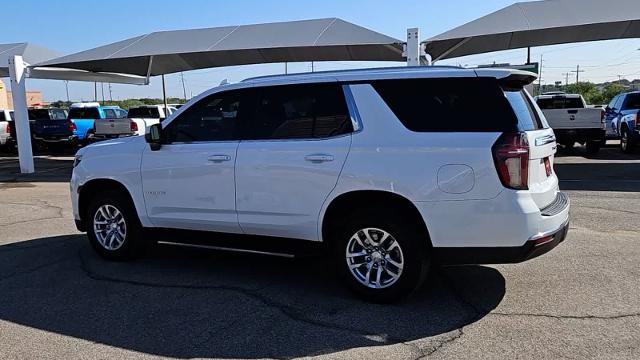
[[296, 143], [543, 182]]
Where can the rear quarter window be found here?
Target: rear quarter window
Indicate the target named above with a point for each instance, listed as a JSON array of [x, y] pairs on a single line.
[[450, 104]]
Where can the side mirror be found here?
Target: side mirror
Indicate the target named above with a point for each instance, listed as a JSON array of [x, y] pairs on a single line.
[[154, 137]]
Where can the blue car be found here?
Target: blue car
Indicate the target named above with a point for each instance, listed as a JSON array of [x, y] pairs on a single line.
[[84, 115], [622, 119]]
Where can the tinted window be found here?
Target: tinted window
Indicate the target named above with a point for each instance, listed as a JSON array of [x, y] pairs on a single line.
[[632, 101], [560, 102], [13, 117], [2, 117], [300, 112], [38, 114], [523, 108], [144, 112], [448, 105], [214, 118], [84, 113], [612, 103]]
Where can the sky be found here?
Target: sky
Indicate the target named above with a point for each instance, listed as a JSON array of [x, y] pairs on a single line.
[[75, 25]]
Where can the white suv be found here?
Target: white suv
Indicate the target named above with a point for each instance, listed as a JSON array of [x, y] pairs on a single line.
[[392, 168]]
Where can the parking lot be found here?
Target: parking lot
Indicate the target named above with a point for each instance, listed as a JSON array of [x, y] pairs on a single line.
[[59, 300]]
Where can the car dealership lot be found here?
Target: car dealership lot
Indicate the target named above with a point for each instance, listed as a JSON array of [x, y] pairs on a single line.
[[581, 300]]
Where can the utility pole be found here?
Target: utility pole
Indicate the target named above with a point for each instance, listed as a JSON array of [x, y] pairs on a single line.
[[619, 79], [184, 89], [577, 71], [66, 85], [110, 93], [102, 89], [95, 91], [540, 77], [566, 79]]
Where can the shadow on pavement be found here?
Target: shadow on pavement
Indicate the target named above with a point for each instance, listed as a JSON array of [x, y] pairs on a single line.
[[186, 303], [603, 176], [48, 169]]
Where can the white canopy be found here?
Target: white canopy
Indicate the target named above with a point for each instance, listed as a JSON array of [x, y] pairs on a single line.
[[539, 23]]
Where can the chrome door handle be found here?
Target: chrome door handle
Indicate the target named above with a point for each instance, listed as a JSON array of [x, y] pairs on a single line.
[[319, 158], [219, 158]]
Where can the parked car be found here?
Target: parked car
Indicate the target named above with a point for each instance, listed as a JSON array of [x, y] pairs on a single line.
[[84, 116], [49, 128], [572, 121], [6, 116], [137, 122], [623, 119], [392, 169]]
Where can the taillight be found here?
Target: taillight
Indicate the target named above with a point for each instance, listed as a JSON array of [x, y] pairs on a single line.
[[511, 157], [602, 113], [8, 130], [134, 126], [71, 125]]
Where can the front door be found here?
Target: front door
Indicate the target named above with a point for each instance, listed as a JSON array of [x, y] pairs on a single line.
[[189, 182], [297, 142]]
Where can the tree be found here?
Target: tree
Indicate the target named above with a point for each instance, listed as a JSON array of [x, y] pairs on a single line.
[[588, 90], [610, 90]]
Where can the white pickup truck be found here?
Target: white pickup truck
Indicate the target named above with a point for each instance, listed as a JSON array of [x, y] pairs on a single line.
[[137, 122], [572, 121], [5, 127]]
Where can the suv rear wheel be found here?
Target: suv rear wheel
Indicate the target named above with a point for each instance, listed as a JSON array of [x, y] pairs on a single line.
[[380, 256], [113, 227]]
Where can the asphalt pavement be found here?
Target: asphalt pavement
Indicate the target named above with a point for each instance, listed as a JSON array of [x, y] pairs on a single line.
[[59, 300]]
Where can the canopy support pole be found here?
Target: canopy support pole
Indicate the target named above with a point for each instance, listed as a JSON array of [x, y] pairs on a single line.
[[528, 55], [149, 69], [413, 47], [18, 75], [164, 97]]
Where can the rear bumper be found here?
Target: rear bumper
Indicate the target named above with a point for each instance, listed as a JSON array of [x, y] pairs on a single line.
[[57, 139], [502, 255]]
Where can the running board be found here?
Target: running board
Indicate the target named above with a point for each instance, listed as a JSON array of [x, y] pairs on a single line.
[[231, 249]]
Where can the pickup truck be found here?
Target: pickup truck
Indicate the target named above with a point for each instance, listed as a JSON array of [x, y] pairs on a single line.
[[6, 116], [623, 119], [572, 121], [138, 122], [84, 115], [49, 128]]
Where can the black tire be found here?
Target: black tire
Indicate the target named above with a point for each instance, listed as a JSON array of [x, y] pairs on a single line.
[[89, 138], [626, 144], [411, 239], [133, 243], [593, 147]]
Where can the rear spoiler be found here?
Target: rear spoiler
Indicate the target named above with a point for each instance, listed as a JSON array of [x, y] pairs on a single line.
[[517, 81]]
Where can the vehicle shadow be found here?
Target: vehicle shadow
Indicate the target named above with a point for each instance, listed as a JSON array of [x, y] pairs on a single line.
[[186, 303], [48, 169]]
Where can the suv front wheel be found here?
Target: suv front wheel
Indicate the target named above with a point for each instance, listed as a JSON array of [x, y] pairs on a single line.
[[381, 257], [113, 227]]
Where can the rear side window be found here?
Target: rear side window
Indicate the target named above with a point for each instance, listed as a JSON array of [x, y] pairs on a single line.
[[38, 114], [58, 114], [560, 102], [84, 113], [110, 114], [300, 112], [632, 101], [524, 110], [449, 104]]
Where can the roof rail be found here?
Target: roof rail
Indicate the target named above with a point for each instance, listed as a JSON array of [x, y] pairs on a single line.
[[349, 71]]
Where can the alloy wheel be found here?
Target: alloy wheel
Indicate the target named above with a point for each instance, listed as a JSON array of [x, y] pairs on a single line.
[[374, 258]]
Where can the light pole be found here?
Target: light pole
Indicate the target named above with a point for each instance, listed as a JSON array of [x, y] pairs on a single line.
[[66, 85]]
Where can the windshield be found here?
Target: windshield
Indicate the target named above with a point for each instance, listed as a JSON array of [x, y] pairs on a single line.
[[144, 112], [84, 113], [58, 114], [560, 102]]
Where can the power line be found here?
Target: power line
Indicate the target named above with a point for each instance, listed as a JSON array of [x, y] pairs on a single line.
[[577, 71]]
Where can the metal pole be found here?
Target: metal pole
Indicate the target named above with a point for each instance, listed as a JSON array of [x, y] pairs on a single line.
[[184, 90], [164, 96], [66, 85], [110, 93], [540, 77], [286, 70], [578, 74], [528, 55], [312, 66], [18, 77], [102, 89], [95, 91], [412, 50]]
